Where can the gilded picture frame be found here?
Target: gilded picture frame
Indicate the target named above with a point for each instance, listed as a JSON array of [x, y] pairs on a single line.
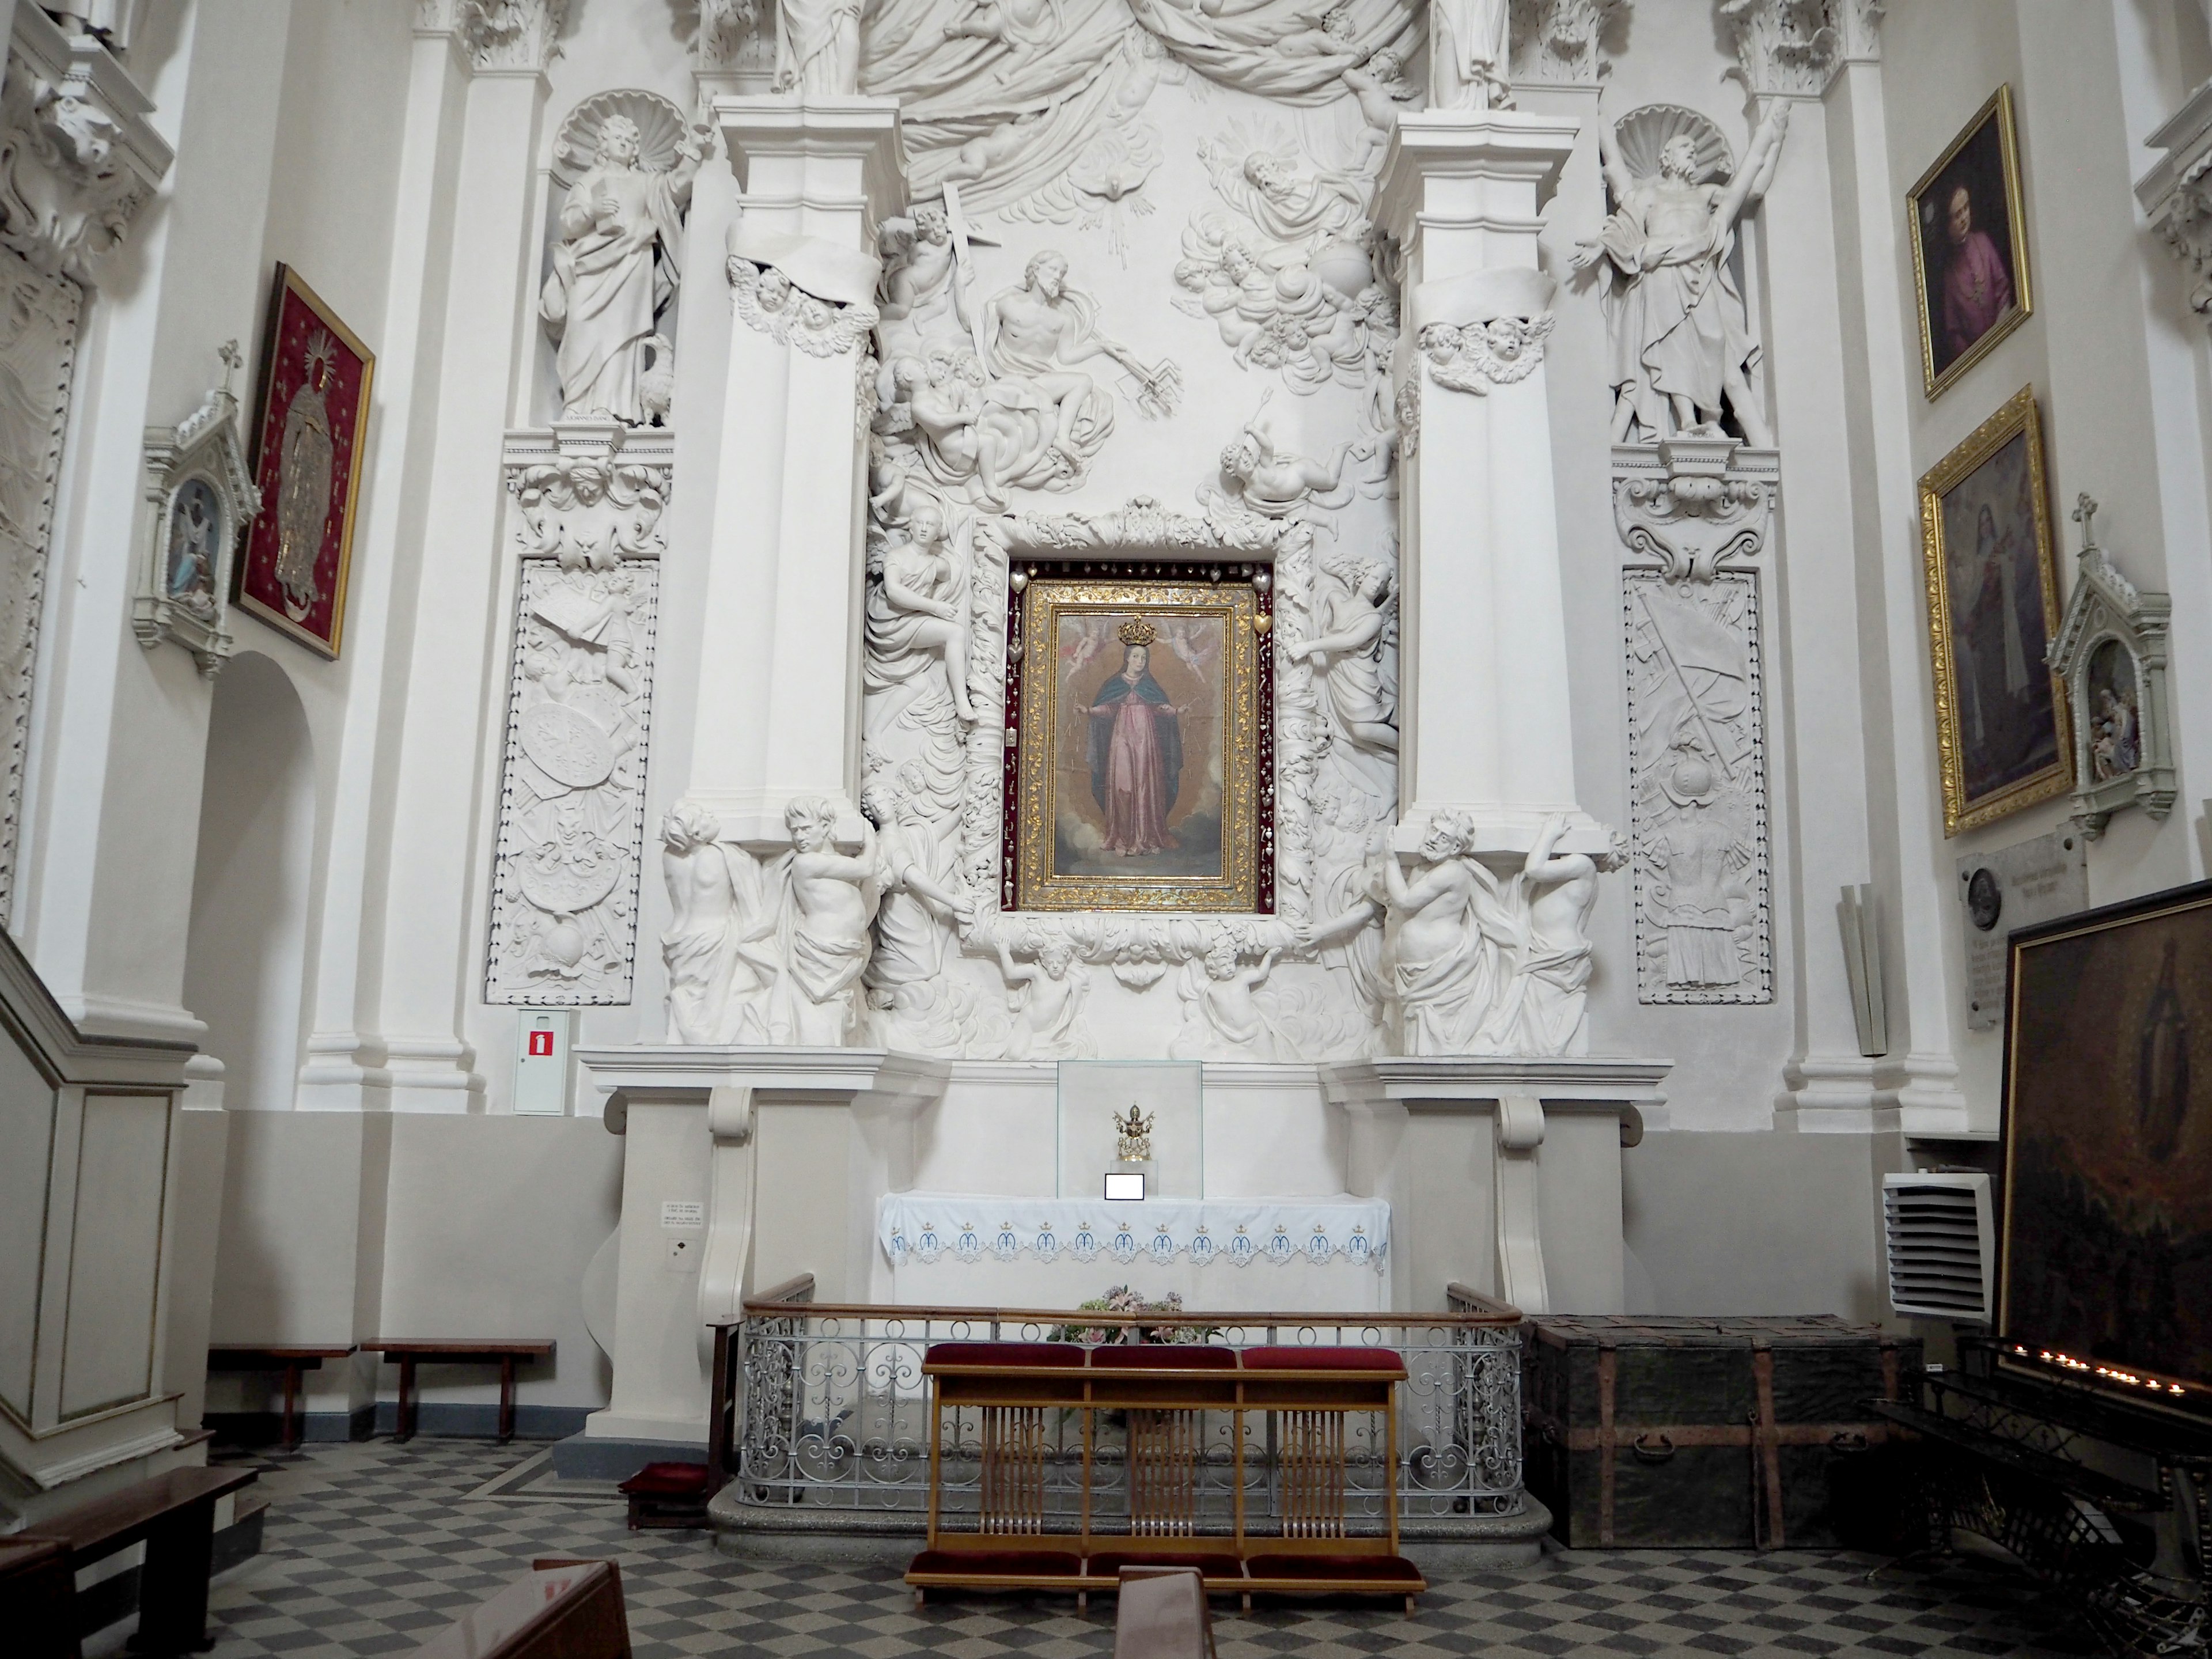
[[310, 435], [1956, 231], [1142, 719], [2004, 737]]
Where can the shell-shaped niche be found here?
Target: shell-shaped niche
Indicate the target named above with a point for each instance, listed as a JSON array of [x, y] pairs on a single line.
[[1642, 133], [660, 129]]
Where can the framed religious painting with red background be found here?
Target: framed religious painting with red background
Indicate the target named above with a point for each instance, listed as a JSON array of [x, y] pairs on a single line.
[[313, 417]]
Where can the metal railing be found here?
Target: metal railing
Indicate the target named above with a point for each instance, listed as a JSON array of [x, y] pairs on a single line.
[[830, 1408]]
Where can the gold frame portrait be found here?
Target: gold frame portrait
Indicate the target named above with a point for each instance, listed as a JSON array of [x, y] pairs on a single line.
[[1243, 884], [1999, 109], [2017, 418]]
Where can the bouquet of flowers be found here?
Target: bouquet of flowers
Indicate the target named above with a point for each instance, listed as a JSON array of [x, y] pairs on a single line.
[[1122, 1299]]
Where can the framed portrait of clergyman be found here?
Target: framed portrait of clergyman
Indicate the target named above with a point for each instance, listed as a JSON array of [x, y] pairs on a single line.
[[2003, 735], [309, 430], [1144, 766], [1969, 234]]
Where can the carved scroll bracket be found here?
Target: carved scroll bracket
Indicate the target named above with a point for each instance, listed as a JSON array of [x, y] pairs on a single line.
[[1694, 505], [77, 154]]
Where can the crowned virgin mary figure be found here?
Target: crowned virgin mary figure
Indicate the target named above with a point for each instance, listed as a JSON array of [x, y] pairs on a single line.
[[1136, 750]]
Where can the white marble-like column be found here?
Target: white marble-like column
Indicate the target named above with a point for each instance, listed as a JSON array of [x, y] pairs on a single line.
[[1484, 725], [778, 710], [432, 950]]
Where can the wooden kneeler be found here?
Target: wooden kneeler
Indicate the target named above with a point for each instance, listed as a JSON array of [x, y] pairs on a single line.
[[1022, 1393]]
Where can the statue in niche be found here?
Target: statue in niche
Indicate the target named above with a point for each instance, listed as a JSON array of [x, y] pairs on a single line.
[[1048, 998], [817, 49], [820, 925], [1470, 50], [1681, 346], [1135, 749], [1222, 1019], [917, 614], [1446, 929], [615, 269], [1347, 658], [1542, 1010], [701, 950]]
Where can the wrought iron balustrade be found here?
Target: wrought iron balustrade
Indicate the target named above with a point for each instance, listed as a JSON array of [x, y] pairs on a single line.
[[830, 1408]]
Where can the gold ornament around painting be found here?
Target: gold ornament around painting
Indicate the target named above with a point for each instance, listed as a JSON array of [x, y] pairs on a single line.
[[1138, 784]]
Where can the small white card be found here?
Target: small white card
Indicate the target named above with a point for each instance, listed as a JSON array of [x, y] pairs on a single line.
[[1125, 1190]]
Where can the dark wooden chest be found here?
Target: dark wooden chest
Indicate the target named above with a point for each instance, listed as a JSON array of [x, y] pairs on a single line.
[[1714, 1433]]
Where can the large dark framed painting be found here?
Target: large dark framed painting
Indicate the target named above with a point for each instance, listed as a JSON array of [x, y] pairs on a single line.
[[2003, 737], [1142, 772], [312, 420], [2106, 1271], [1969, 235]]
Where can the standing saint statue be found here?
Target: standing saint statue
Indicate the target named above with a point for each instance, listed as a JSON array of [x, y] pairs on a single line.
[[817, 49], [1470, 51], [1681, 344], [615, 269], [1136, 750]]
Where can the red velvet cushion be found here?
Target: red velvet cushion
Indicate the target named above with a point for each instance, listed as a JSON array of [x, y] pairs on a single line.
[[1003, 1353], [997, 1564], [1220, 1562], [666, 1480], [1163, 1356], [1372, 1569], [1323, 1359]]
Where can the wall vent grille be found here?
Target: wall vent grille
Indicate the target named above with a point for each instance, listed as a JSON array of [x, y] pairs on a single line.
[[1940, 1239]]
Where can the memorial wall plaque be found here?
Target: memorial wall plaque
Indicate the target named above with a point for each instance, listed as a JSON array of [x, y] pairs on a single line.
[[2013, 887]]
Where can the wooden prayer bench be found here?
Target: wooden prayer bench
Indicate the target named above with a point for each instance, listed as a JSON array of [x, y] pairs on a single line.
[[174, 1514], [565, 1609], [1023, 1392], [500, 1351], [288, 1359]]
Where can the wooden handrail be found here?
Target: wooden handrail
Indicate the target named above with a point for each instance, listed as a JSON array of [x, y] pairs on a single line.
[[1456, 1292], [1085, 1318], [799, 1287]]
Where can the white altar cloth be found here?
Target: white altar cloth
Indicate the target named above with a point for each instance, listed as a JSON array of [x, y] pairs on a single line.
[[1307, 1254]]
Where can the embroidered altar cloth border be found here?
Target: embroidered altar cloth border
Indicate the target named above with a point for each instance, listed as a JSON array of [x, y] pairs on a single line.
[[965, 1227]]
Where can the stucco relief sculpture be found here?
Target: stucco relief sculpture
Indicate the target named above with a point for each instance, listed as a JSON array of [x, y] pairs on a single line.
[[1046, 998], [1697, 764], [1562, 42], [572, 814], [1480, 966], [820, 907], [1682, 351], [818, 48], [986, 397], [767, 299], [714, 982], [1347, 654], [1222, 1018], [1286, 274], [1478, 356], [618, 251]]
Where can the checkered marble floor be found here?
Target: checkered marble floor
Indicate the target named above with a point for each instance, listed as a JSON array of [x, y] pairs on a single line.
[[372, 1546]]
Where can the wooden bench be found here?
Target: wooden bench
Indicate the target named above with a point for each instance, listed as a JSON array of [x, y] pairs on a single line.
[[503, 1351], [174, 1514], [38, 1598], [564, 1609], [1039, 1524], [292, 1361]]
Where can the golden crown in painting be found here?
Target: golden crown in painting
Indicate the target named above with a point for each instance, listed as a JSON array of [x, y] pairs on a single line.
[[1137, 631], [1134, 1144]]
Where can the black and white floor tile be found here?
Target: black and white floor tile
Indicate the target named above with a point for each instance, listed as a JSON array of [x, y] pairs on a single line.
[[371, 1547]]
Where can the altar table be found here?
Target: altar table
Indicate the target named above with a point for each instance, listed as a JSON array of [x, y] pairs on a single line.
[[1298, 1255]]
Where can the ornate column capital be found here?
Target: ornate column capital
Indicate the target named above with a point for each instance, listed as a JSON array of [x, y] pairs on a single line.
[[1792, 48], [1561, 43], [2176, 194], [508, 37], [77, 156]]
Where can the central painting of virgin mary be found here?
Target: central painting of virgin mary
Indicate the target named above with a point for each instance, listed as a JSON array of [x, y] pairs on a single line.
[[1137, 747]]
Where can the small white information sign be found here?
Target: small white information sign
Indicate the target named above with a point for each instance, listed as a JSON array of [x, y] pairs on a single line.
[[2013, 887], [541, 1060], [683, 1212]]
